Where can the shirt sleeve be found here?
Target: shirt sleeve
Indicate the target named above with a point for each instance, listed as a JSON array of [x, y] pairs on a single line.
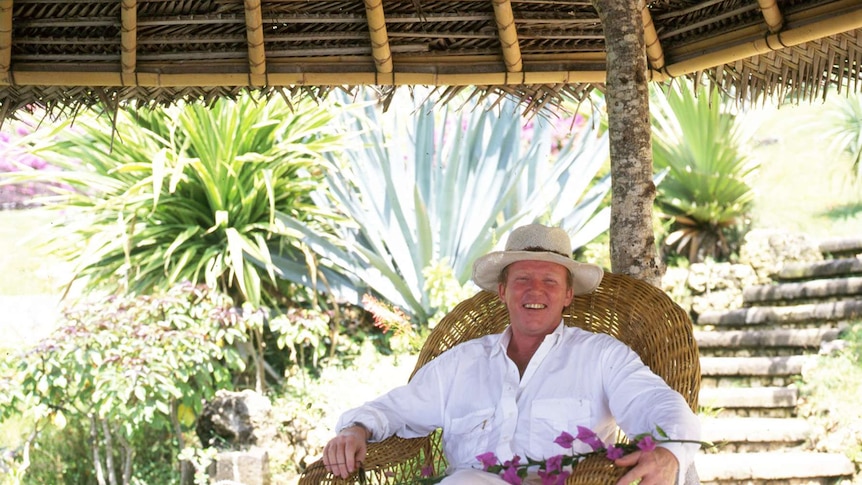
[[641, 402], [409, 411]]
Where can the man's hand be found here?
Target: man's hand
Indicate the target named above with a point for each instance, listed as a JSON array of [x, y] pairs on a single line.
[[346, 451], [656, 467]]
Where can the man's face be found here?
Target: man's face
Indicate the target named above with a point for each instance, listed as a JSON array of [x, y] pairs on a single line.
[[535, 292]]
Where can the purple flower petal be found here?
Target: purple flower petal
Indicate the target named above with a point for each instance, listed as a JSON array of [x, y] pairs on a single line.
[[614, 453], [565, 440], [510, 475], [488, 460], [647, 443], [554, 464]]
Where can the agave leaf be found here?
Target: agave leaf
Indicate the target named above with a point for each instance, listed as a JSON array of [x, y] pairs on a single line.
[[425, 185]]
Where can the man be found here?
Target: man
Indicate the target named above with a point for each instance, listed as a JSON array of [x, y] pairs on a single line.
[[514, 393]]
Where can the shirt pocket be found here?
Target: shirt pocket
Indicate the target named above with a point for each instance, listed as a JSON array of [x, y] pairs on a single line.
[[467, 436], [550, 417]]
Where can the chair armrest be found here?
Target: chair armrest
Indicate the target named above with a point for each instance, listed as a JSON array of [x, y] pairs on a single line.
[[393, 460], [596, 470]]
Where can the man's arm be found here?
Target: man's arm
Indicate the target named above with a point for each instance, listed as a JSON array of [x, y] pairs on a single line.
[[344, 453]]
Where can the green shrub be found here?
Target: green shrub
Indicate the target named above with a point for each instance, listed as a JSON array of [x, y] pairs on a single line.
[[830, 392], [707, 194], [184, 193], [120, 375]]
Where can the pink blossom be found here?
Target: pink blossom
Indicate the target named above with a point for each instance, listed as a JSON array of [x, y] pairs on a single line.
[[488, 460], [510, 475], [427, 471], [553, 478], [514, 462], [589, 437], [548, 478], [554, 464], [647, 443], [565, 439], [614, 453]]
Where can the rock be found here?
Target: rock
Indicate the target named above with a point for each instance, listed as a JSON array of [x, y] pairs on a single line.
[[767, 251], [236, 420]]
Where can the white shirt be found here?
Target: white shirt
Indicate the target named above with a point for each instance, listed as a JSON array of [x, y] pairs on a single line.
[[473, 391]]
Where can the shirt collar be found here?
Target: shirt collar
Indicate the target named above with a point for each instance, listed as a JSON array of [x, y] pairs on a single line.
[[505, 337]]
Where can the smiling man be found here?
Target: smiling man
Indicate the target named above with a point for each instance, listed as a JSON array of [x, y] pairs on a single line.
[[513, 393]]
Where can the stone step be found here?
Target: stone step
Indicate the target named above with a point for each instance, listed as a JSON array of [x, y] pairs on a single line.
[[750, 398], [808, 290], [753, 366], [829, 268], [795, 338], [747, 434], [782, 315], [841, 246], [743, 468]]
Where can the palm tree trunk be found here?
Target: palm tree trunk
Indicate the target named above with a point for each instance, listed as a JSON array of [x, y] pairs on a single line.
[[632, 240]]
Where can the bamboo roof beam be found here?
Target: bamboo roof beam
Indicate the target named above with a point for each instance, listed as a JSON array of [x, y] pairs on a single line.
[[735, 46], [508, 35], [825, 27], [380, 49], [129, 41], [5, 37], [654, 51], [772, 15], [256, 50]]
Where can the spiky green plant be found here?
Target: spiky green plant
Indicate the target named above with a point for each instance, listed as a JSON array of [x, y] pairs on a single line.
[[842, 126], [707, 192], [188, 192], [424, 185]]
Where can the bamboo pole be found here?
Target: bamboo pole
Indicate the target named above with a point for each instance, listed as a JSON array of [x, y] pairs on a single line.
[[825, 27], [5, 38], [129, 40], [508, 35], [772, 15], [256, 50], [216, 79], [655, 54], [380, 50], [815, 30]]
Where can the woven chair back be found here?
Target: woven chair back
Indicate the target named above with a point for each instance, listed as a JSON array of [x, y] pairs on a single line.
[[633, 311]]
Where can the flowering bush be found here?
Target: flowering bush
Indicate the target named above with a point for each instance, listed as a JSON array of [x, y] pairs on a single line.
[[556, 469]]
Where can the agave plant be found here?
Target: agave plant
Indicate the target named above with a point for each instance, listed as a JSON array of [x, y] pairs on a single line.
[[186, 193], [424, 186], [708, 192]]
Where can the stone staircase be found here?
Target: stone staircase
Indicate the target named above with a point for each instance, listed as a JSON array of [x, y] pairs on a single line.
[[751, 359]]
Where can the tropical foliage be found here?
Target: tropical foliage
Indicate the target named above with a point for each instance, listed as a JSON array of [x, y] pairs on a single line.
[[842, 127], [117, 371], [441, 185], [708, 191], [186, 193]]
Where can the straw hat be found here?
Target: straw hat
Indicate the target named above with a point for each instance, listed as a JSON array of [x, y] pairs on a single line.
[[535, 242]]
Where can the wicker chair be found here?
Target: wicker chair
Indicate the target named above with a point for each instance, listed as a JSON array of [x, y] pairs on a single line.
[[633, 311]]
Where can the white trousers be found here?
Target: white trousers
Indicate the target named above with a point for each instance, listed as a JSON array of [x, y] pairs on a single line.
[[478, 477]]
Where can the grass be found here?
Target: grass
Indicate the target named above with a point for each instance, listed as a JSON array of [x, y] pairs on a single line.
[[26, 269], [831, 391], [802, 187]]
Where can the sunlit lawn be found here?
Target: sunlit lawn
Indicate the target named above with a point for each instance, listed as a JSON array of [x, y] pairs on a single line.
[[802, 187], [26, 269]]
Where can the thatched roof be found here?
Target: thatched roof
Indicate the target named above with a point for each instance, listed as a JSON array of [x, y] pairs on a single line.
[[68, 53]]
